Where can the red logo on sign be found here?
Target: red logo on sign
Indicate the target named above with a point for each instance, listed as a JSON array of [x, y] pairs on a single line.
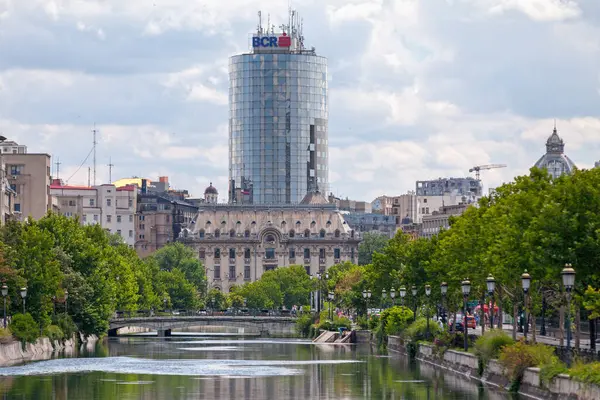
[[284, 40]]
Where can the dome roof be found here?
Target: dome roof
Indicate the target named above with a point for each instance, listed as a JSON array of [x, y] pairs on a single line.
[[314, 198], [555, 161], [211, 190]]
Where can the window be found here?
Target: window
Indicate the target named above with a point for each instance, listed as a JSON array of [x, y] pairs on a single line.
[[247, 272], [306, 253], [84, 218], [202, 254], [131, 218], [292, 254], [217, 233], [426, 210], [119, 232], [307, 269], [217, 272], [217, 253], [14, 187], [71, 203], [108, 202], [337, 233], [292, 233], [95, 217], [142, 236], [270, 239], [130, 203], [424, 200], [336, 253], [307, 233], [130, 233], [108, 218], [247, 253], [247, 234], [118, 219], [142, 226], [201, 234], [321, 253], [231, 253], [17, 207], [232, 233], [92, 202], [142, 217], [16, 169], [232, 272], [270, 253], [322, 233]]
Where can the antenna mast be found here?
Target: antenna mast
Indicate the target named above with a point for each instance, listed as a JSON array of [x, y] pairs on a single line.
[[94, 131], [89, 176], [58, 168], [110, 165]]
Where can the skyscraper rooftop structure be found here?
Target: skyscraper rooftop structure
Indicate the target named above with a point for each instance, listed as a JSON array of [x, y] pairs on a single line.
[[278, 112]]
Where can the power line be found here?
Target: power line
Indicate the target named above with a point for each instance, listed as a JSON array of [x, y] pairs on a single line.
[[81, 165]]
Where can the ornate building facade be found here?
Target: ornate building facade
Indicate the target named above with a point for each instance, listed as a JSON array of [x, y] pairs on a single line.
[[238, 243], [555, 159]]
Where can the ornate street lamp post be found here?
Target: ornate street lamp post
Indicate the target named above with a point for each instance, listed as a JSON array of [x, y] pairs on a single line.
[[402, 294], [331, 295], [466, 289], [444, 289], [427, 293], [4, 294], [414, 293], [568, 278], [23, 295], [383, 297], [526, 283], [491, 287], [66, 302], [393, 296]]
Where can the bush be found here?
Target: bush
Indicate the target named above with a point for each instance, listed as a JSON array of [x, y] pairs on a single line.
[[445, 340], [334, 325], [488, 346], [587, 373], [396, 319], [66, 325], [418, 330], [373, 322], [24, 328], [516, 358], [363, 322], [53, 332], [303, 324], [6, 335]]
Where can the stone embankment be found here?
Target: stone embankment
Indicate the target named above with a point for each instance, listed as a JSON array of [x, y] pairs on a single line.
[[466, 364], [43, 349]]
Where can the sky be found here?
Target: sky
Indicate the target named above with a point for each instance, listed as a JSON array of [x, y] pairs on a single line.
[[418, 89]]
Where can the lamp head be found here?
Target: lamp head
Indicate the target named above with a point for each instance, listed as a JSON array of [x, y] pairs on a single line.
[[444, 288]]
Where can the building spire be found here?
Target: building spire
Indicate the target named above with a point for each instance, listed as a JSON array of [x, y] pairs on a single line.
[[554, 125]]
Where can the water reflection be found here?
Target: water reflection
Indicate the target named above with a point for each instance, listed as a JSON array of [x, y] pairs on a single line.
[[173, 369]]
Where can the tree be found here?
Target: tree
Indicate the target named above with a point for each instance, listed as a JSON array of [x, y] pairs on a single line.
[[176, 255], [372, 243]]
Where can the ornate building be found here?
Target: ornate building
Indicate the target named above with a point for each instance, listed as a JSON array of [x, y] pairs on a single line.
[[211, 195], [238, 243], [555, 161]]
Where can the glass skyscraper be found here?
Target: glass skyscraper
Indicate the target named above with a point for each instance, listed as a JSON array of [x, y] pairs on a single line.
[[278, 141]]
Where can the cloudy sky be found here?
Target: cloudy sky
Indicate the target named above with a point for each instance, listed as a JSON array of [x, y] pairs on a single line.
[[419, 89]]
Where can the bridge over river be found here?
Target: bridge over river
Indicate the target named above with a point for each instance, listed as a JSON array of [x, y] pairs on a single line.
[[163, 325]]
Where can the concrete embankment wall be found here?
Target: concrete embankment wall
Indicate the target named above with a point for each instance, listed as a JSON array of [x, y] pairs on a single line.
[[466, 364], [42, 349]]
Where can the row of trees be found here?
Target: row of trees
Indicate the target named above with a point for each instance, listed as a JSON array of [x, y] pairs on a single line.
[[56, 255], [535, 223]]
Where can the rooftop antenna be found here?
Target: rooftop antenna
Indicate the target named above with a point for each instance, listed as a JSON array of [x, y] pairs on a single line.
[[268, 22], [110, 165], [259, 23], [58, 168], [94, 131], [89, 175]]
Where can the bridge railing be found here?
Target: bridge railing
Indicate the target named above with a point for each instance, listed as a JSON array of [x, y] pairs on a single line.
[[199, 313]]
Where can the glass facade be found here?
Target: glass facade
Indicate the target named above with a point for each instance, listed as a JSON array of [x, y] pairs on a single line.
[[278, 141]]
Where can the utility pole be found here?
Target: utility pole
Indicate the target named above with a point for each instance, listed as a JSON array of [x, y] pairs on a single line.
[[110, 165]]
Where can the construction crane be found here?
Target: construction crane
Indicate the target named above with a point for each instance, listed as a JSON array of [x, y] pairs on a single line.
[[478, 168]]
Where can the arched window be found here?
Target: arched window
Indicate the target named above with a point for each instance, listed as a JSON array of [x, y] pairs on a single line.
[[352, 233], [292, 233], [307, 233], [298, 223], [270, 239], [322, 233], [337, 233], [283, 224], [246, 233], [328, 224], [201, 234], [313, 224], [217, 233], [232, 233]]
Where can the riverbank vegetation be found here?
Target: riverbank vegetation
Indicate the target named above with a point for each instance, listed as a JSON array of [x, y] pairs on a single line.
[[78, 276]]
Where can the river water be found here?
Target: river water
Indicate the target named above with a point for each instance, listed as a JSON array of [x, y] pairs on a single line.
[[179, 368]]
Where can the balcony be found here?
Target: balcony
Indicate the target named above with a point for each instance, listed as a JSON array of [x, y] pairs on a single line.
[[336, 260], [269, 259], [292, 260], [321, 261], [307, 261], [232, 261]]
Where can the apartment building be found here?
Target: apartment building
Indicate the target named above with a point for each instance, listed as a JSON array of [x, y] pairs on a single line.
[[28, 175], [111, 207]]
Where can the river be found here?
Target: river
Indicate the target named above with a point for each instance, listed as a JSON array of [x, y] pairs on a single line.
[[179, 368]]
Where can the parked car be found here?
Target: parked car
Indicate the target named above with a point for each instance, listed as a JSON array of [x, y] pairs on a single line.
[[471, 323]]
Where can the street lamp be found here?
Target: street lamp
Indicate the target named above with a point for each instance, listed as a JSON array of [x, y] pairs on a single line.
[[402, 294], [23, 295], [427, 293], [466, 289], [525, 282], [568, 278], [414, 293], [4, 294], [330, 305], [383, 297], [393, 295], [67, 301], [444, 289], [491, 287]]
